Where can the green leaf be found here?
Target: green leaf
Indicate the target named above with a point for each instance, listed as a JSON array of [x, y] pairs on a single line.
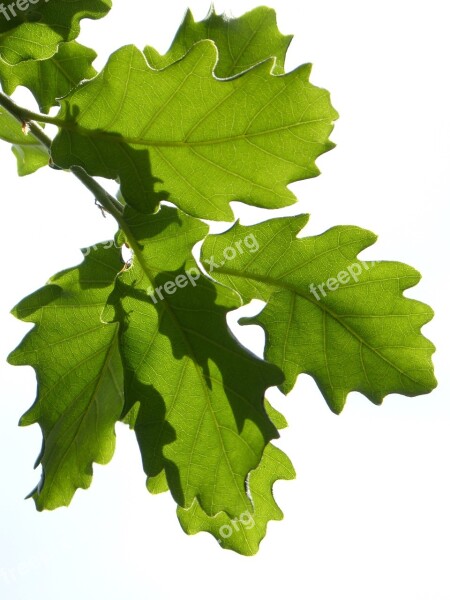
[[245, 533], [53, 78], [201, 416], [30, 158], [275, 416], [158, 484], [30, 153], [242, 42], [195, 140], [361, 334], [79, 373], [36, 32]]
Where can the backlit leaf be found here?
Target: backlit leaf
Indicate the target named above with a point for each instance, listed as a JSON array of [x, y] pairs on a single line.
[[201, 417], [30, 153], [35, 32], [195, 140], [341, 320], [242, 42], [79, 374], [244, 533], [52, 78]]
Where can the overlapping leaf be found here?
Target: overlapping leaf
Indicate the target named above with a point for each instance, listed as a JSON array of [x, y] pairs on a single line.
[[36, 32], [52, 78], [343, 321], [79, 373], [181, 134], [244, 533], [158, 484], [30, 153], [213, 120], [201, 416], [242, 42]]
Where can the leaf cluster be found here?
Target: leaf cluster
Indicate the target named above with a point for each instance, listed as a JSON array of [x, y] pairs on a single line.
[[146, 342]]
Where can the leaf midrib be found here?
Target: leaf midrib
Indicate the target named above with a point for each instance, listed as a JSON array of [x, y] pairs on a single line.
[[92, 400], [277, 284], [137, 141], [134, 244]]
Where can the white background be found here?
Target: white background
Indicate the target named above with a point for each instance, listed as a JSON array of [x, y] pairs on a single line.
[[368, 516]]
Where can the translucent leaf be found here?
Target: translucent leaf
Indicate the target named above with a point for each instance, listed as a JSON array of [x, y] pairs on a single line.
[[52, 78], [29, 152], [243, 534], [79, 374], [275, 416], [195, 140], [201, 416], [341, 320], [34, 32], [158, 484], [242, 42]]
